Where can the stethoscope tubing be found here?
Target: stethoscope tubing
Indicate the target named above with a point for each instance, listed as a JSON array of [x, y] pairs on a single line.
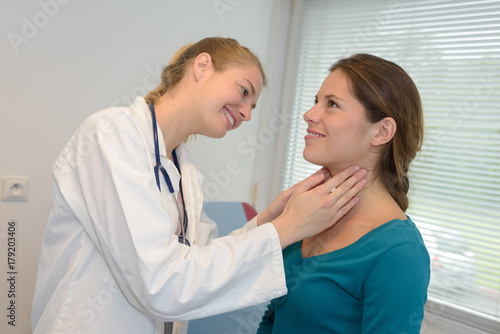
[[159, 167]]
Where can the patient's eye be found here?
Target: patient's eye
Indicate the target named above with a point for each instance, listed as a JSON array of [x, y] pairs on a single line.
[[332, 104]]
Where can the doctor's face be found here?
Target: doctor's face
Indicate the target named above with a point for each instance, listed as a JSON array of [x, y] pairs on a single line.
[[229, 97], [338, 132]]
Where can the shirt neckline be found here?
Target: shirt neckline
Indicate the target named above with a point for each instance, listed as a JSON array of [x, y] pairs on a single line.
[[355, 244]]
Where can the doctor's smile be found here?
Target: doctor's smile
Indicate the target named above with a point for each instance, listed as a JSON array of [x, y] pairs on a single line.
[[231, 118]]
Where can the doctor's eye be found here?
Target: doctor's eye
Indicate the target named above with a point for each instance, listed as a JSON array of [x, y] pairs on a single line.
[[315, 101], [244, 91]]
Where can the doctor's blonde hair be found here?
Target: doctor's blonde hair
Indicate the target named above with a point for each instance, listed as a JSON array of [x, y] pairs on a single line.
[[225, 52]]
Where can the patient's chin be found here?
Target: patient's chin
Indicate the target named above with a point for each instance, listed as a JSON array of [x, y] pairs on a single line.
[[311, 159]]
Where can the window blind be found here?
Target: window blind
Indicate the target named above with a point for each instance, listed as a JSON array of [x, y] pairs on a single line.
[[452, 51]]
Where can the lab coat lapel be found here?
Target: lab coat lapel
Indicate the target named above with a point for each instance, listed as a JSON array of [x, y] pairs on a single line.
[[193, 192]]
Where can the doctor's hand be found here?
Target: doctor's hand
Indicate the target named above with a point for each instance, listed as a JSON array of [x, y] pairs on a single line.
[[313, 207], [277, 206]]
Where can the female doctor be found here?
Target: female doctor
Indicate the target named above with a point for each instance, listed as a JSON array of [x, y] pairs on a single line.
[[127, 247]]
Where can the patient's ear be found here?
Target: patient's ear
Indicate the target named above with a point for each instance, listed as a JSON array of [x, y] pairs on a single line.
[[384, 131]]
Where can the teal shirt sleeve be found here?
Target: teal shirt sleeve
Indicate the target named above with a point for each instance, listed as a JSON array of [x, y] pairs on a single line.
[[395, 290]]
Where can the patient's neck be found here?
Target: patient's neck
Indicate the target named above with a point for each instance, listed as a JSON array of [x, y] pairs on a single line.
[[375, 202]]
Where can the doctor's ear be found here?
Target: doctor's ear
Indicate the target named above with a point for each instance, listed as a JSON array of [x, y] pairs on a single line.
[[384, 131], [202, 65]]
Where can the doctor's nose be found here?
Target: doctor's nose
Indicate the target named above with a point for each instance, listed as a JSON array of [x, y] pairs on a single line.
[[245, 112]]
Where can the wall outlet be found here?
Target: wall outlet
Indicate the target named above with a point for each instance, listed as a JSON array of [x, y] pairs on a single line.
[[15, 189]]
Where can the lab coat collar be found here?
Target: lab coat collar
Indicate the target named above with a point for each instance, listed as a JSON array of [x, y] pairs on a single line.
[[194, 198], [142, 114]]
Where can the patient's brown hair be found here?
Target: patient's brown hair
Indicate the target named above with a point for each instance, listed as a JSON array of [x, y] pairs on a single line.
[[386, 90]]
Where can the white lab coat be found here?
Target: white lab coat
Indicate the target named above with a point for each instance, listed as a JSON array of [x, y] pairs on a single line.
[[110, 260]]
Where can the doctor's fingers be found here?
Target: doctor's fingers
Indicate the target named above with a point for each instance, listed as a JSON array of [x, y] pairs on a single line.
[[342, 197], [318, 178], [278, 205], [342, 182], [342, 187]]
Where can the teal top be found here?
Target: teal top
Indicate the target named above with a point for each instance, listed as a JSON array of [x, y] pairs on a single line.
[[378, 284]]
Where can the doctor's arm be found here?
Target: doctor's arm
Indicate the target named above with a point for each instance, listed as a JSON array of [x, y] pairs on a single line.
[[124, 216], [308, 207]]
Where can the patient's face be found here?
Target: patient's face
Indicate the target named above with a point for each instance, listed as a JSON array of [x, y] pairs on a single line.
[[338, 133]]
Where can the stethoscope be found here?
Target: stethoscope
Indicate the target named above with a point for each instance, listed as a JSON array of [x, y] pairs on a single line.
[[158, 167]]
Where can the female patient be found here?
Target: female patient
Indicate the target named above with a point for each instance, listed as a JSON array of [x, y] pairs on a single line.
[[369, 273]]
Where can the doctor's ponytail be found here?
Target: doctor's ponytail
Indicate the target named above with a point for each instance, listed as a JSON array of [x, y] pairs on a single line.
[[225, 52]]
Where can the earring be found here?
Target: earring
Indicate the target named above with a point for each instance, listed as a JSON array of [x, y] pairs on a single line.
[[198, 76]]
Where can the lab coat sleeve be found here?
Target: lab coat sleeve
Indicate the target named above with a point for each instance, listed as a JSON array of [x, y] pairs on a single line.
[[208, 229], [250, 225], [106, 177]]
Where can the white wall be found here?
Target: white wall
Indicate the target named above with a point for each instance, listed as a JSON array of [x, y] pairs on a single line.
[[62, 60]]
